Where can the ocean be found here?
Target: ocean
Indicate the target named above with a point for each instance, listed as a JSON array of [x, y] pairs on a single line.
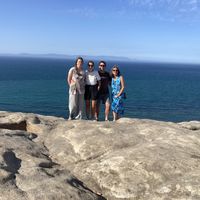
[[160, 91]]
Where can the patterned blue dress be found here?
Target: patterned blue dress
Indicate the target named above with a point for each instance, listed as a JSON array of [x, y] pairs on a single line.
[[117, 103]]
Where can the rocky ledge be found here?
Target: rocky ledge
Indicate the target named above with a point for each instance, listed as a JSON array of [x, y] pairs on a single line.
[[45, 157]]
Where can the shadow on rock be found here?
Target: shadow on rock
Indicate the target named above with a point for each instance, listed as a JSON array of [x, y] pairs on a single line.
[[15, 126], [12, 162], [79, 185]]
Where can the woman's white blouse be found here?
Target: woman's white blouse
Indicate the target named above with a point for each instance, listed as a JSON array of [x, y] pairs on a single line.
[[92, 77]]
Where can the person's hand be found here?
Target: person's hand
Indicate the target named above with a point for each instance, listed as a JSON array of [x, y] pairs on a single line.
[[116, 96], [98, 88], [72, 82]]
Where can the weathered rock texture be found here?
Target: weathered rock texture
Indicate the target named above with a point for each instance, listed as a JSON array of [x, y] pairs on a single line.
[[51, 158]]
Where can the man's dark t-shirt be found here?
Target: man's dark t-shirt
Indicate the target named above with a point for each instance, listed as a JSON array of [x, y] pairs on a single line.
[[105, 82]]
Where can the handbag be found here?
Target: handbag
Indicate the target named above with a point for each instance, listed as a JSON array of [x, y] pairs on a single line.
[[124, 95]]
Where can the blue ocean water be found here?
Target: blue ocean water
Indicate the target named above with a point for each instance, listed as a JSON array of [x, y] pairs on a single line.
[[169, 92]]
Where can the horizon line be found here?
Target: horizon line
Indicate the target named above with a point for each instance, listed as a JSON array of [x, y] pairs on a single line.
[[108, 57]]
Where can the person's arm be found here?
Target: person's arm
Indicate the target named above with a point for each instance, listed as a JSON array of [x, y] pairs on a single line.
[[99, 84], [69, 77], [84, 77], [122, 86], [98, 81], [110, 79]]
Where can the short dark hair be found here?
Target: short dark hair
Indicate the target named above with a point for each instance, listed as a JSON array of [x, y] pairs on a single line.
[[90, 61], [102, 61], [115, 66]]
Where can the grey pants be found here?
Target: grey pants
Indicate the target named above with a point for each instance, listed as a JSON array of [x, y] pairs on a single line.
[[76, 103]]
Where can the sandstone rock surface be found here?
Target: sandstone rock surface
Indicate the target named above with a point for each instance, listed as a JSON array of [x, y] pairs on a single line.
[[45, 157]]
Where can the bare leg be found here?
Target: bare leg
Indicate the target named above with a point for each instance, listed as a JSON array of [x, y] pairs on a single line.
[[88, 109], [97, 109], [107, 110], [94, 109], [115, 116]]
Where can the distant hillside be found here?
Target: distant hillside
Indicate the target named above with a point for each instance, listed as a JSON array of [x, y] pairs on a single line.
[[53, 55]]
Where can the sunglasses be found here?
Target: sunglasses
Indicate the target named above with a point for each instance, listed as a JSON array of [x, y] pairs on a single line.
[[102, 65], [90, 65]]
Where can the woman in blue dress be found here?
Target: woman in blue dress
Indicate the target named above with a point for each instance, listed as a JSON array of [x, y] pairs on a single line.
[[117, 93]]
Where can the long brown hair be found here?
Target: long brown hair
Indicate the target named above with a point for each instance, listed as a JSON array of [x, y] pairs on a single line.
[[79, 58]]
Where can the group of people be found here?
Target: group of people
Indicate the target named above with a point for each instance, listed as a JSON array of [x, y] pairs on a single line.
[[92, 88]]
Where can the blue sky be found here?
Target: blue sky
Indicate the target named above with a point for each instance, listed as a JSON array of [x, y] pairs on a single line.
[[161, 30]]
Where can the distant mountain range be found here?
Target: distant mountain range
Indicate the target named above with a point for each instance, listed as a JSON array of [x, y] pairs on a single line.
[[53, 55], [102, 57]]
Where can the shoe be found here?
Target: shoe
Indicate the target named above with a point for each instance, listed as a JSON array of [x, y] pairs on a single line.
[[87, 117], [78, 117], [95, 119]]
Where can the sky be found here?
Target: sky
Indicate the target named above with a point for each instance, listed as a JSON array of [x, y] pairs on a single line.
[[157, 30]]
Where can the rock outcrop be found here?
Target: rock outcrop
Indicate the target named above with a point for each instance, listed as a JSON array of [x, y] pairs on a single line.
[[45, 157]]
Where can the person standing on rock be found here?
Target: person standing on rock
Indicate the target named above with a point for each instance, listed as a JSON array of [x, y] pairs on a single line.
[[117, 86], [76, 82], [92, 87], [103, 93]]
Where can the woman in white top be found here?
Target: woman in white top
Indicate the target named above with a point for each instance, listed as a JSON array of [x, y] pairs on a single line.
[[76, 82], [91, 89]]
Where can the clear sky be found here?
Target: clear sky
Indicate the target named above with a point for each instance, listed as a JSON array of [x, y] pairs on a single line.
[[163, 30]]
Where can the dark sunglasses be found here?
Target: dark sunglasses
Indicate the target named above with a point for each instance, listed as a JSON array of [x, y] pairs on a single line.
[[90, 65]]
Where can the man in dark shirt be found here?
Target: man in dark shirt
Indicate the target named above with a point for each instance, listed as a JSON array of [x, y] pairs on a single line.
[[103, 93]]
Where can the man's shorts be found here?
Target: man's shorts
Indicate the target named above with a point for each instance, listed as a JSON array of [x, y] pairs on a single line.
[[91, 92], [104, 98]]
